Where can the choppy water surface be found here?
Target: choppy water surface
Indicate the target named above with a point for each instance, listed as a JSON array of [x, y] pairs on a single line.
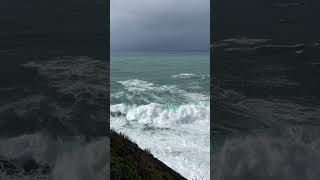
[[161, 101], [56, 114], [266, 109]]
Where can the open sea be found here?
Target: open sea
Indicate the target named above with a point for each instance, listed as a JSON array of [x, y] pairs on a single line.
[[161, 101], [265, 95], [265, 90], [53, 90], [52, 112]]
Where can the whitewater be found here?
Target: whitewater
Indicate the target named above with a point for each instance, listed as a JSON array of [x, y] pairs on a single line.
[[167, 114]]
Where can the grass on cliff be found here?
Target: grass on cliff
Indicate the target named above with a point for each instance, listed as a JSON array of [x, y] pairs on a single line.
[[128, 161]]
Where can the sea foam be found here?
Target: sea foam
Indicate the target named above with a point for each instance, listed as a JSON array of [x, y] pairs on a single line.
[[177, 135], [61, 156], [169, 120]]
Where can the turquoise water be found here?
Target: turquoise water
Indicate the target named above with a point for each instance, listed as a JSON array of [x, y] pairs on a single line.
[[187, 71], [161, 101]]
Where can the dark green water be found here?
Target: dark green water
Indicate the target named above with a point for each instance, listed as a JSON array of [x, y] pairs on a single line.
[[53, 89], [266, 110], [265, 94]]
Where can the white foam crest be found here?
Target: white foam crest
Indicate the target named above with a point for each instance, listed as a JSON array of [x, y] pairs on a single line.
[[163, 115], [174, 124], [188, 75], [61, 156], [146, 88], [91, 165], [118, 108], [183, 75], [76, 76], [180, 137], [24, 147], [292, 156], [156, 114], [137, 85]]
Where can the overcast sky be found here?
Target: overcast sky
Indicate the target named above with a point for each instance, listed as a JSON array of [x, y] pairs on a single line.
[[160, 24]]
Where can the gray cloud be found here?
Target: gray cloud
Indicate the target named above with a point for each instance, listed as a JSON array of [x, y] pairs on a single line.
[[160, 24]]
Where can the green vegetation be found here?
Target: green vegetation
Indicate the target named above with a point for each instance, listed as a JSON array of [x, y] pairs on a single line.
[[124, 168]]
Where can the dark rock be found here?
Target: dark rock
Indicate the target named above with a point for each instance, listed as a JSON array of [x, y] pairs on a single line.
[[129, 161], [30, 166], [117, 114], [45, 169], [8, 167]]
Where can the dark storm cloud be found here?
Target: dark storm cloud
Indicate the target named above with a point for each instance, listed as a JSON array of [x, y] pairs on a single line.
[[160, 24]]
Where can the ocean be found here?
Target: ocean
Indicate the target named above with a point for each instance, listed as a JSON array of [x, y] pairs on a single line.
[[265, 95], [52, 112], [161, 101], [265, 90], [53, 90]]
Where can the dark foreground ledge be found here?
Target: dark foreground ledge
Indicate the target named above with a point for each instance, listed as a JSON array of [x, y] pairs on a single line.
[[128, 161]]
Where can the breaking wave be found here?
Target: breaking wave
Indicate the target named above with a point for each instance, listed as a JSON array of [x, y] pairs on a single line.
[[175, 133], [187, 75], [37, 156], [164, 115], [295, 155], [70, 107], [137, 91]]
